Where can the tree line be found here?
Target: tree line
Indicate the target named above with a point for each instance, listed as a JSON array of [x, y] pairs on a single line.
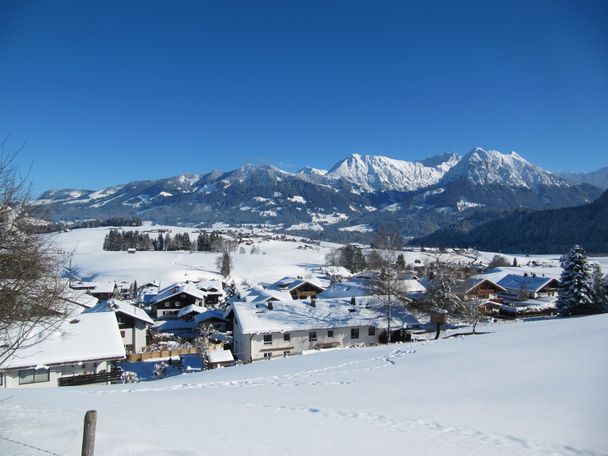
[[121, 240]]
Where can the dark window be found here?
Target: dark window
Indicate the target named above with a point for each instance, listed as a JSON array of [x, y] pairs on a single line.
[[267, 339], [372, 330], [122, 334], [1, 379], [354, 333], [33, 376], [312, 336], [286, 337], [330, 333]]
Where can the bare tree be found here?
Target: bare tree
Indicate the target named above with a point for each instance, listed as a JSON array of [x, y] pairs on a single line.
[[388, 287], [31, 290], [202, 342]]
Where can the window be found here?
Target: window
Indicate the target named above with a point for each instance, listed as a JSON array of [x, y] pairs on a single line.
[[330, 333], [122, 334], [354, 333], [1, 379], [312, 336], [33, 376], [267, 339], [267, 355], [286, 337], [372, 331]]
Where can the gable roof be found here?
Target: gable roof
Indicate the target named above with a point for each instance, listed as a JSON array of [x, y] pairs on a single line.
[[103, 287], [121, 307], [88, 337], [209, 315], [178, 288], [468, 285], [528, 283], [192, 308], [291, 283]]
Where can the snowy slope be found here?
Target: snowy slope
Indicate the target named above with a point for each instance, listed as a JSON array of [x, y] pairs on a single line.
[[533, 388], [376, 173], [484, 167]]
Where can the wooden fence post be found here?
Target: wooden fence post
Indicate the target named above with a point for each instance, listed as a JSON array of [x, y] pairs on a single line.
[[88, 435]]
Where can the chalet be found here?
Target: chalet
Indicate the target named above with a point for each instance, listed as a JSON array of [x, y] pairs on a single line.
[[82, 350], [80, 285], [529, 286], [103, 290], [168, 301], [133, 322], [478, 288], [297, 288], [213, 289], [263, 330]]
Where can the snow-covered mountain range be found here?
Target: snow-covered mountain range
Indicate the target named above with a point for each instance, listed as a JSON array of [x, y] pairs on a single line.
[[360, 191]]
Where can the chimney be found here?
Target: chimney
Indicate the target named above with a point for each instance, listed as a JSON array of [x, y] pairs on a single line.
[[270, 305], [353, 301], [313, 301]]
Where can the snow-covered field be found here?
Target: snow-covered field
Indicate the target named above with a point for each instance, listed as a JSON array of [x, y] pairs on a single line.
[[276, 260], [525, 388]]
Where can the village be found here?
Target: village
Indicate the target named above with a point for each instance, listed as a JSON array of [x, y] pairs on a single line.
[[121, 331]]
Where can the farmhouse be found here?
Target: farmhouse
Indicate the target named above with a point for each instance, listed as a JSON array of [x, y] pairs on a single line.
[[80, 351], [132, 321], [478, 288], [263, 330], [298, 288], [213, 289], [168, 301], [529, 286]]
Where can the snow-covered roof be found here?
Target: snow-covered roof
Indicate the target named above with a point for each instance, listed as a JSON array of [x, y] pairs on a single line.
[[327, 313], [220, 356], [192, 308], [210, 286], [121, 307], [291, 283], [412, 286], [80, 285], [88, 337], [468, 285], [353, 287], [208, 315], [79, 297], [104, 287], [528, 283], [259, 294], [178, 288]]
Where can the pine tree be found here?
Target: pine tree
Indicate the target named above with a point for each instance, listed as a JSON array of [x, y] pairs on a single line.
[[400, 262], [576, 294], [600, 288], [224, 264]]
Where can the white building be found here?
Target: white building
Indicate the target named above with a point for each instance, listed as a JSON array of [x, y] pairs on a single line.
[[266, 329], [79, 351], [133, 322]]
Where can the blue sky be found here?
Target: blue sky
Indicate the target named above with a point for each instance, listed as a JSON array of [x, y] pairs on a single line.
[[101, 93]]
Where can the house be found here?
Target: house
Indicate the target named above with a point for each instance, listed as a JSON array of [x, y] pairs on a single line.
[[81, 350], [103, 290], [169, 300], [214, 317], [298, 288], [529, 286], [213, 289], [478, 288], [133, 322], [80, 285], [263, 330], [189, 312]]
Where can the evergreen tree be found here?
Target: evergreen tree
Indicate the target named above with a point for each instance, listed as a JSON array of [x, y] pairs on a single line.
[[224, 264], [600, 288], [576, 293], [400, 262]]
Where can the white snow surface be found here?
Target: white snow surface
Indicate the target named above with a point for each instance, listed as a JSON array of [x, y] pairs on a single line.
[[526, 388], [485, 167], [376, 172]]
